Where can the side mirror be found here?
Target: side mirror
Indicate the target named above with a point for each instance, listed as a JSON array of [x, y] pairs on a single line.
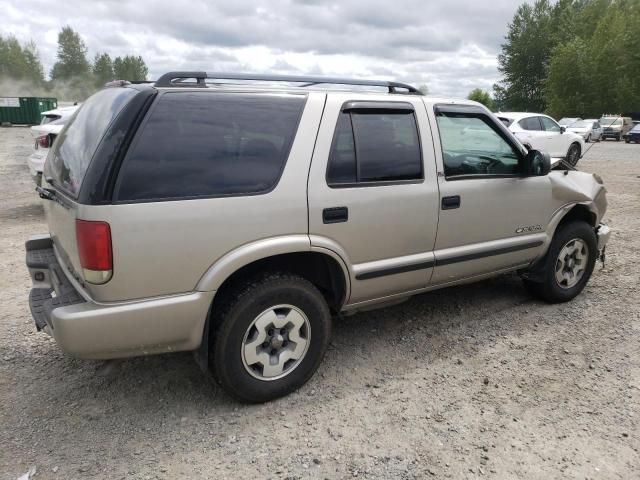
[[538, 163], [563, 129]]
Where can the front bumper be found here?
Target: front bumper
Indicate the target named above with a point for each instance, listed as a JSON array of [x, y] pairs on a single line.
[[612, 133], [88, 329]]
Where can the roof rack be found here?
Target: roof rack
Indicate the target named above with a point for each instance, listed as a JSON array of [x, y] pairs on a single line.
[[177, 79]]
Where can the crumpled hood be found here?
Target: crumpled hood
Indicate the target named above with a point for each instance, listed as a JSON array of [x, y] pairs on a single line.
[[573, 186]]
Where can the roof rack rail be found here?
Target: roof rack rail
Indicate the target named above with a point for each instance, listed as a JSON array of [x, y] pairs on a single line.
[[177, 79]]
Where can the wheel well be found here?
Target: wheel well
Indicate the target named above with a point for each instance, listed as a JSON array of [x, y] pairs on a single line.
[[579, 212], [320, 269]]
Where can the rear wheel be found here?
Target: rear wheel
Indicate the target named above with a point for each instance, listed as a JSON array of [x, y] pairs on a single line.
[[573, 155], [568, 264], [272, 333]]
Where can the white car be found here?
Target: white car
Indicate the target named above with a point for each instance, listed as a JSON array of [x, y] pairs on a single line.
[[58, 113], [45, 134], [567, 122], [590, 129], [541, 132]]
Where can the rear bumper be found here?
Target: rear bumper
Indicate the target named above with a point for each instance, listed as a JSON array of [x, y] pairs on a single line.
[[86, 329], [35, 162]]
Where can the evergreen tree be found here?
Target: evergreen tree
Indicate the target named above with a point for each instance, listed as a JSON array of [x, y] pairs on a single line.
[[72, 56], [20, 62], [130, 68], [102, 69]]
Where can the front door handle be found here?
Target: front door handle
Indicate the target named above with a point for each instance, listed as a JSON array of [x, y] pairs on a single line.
[[449, 203], [335, 215]]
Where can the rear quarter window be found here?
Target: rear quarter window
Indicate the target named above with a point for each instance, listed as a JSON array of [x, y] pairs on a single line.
[[203, 144]]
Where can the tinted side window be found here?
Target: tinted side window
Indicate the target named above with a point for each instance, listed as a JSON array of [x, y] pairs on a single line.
[[342, 162], [549, 125], [375, 146], [531, 123], [210, 144]]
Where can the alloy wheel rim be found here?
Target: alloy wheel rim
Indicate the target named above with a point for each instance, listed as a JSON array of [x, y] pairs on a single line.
[[571, 263], [573, 155], [276, 342]]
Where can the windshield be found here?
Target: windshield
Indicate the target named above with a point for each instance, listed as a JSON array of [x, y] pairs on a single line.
[[79, 139], [568, 121], [581, 124], [636, 128], [608, 121]]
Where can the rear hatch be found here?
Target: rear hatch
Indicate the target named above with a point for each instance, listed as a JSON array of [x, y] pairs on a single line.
[[68, 162]]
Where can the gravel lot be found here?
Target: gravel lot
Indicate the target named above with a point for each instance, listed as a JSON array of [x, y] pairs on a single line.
[[479, 381]]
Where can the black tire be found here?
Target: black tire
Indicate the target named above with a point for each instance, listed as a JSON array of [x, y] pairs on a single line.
[[548, 288], [626, 140], [618, 138], [573, 154], [237, 311]]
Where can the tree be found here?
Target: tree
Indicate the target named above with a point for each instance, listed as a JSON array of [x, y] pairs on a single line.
[[424, 89], [130, 68], [525, 55], [567, 86], [20, 62], [598, 70], [479, 95], [72, 56], [102, 69]]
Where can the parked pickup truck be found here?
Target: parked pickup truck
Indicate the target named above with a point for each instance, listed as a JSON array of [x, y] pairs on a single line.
[[234, 215]]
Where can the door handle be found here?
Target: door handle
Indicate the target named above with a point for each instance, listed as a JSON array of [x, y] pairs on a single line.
[[335, 215], [449, 203]]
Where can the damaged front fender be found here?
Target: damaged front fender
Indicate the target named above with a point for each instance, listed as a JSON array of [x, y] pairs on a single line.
[[570, 188]]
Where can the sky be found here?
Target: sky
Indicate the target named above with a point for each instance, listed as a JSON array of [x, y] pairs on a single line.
[[451, 46]]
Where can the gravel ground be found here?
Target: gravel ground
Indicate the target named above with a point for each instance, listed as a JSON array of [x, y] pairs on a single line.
[[479, 381]]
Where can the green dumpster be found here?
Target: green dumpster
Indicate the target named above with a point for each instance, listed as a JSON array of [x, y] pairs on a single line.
[[25, 110]]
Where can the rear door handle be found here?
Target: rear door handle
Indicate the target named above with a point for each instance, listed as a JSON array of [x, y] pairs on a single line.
[[449, 203], [335, 215]]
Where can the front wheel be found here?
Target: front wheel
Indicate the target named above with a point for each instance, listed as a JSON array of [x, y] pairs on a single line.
[[573, 155], [272, 333], [568, 264]]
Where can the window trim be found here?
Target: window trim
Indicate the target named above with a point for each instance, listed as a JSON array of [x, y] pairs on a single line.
[[496, 125], [355, 105], [117, 183]]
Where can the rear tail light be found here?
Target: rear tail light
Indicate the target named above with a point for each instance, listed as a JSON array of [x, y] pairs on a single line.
[[43, 141], [94, 249]]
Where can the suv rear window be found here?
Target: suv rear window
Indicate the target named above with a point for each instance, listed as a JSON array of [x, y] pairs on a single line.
[[75, 146], [204, 144]]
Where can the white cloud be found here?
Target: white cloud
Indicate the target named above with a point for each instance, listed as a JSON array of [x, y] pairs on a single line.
[[451, 46]]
